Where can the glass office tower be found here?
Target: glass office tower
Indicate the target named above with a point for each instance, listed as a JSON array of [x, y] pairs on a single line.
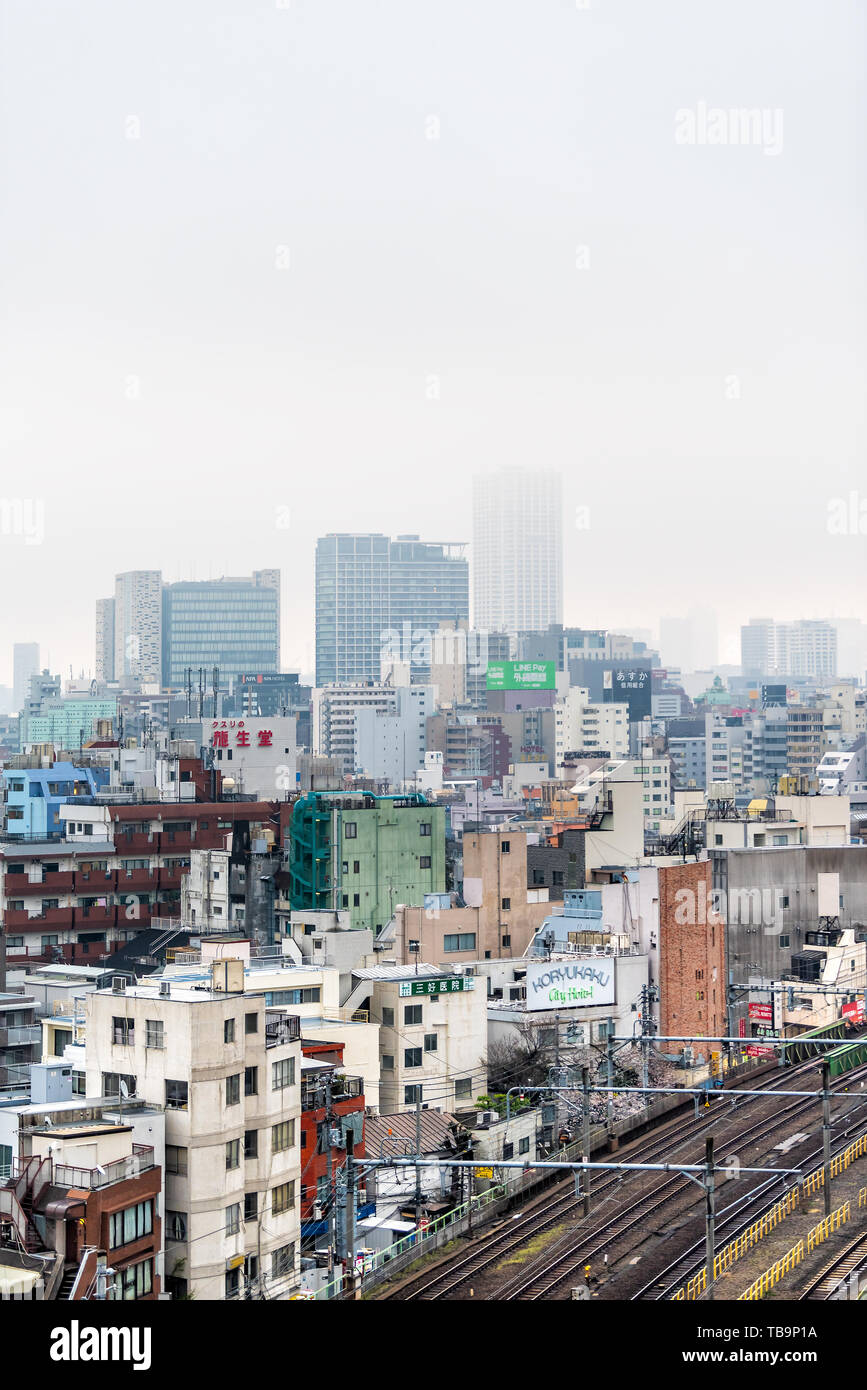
[[233, 624]]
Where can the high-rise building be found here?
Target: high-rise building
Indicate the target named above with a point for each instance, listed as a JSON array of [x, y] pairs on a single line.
[[802, 649], [233, 624], [104, 665], [25, 663], [382, 599], [517, 550], [138, 626], [690, 643]]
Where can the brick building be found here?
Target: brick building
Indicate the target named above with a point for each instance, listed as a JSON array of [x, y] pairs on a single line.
[[557, 863], [322, 1077], [692, 965]]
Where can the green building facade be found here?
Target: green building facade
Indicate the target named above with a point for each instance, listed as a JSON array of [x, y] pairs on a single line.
[[365, 854]]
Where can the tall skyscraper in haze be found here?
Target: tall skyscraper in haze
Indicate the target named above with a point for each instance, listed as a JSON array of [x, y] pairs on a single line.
[[138, 626], [25, 663], [104, 664], [375, 595], [517, 550], [233, 624]]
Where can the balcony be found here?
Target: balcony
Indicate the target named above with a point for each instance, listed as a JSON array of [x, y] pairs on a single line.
[[136, 880], [282, 1030], [20, 886], [95, 916], [24, 1035], [342, 1088], [89, 1179], [55, 917]]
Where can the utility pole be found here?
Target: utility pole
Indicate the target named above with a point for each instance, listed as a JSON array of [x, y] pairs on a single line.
[[418, 1192], [350, 1210], [331, 1194], [609, 1048], [711, 1213], [826, 1133], [585, 1081]]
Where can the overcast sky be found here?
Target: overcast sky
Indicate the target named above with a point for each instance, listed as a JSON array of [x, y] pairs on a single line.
[[332, 257]]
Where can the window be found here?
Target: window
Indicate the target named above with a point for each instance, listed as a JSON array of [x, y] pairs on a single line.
[[412, 1013], [430, 1042], [508, 1151], [784, 900], [460, 941], [177, 1095], [424, 827], [130, 1224], [123, 1032], [524, 1145], [176, 1225], [356, 866], [233, 1154], [412, 1057], [463, 1088], [233, 1219], [233, 1089], [251, 1206], [424, 861], [229, 1030], [356, 900], [176, 1159], [251, 1081], [505, 847], [411, 1095], [14, 942], [345, 866], [283, 1198], [136, 1281], [507, 940], [251, 1023], [538, 878], [345, 902], [233, 1283], [784, 941], [557, 878], [251, 1143], [283, 1262], [310, 995], [154, 1033], [388, 1017], [283, 1074], [387, 1062], [506, 904], [282, 1136], [111, 1083], [350, 831]]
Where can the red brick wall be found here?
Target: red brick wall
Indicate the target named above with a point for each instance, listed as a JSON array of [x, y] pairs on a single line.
[[692, 967]]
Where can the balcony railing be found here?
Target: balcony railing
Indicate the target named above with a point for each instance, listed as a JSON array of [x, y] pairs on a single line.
[[140, 1160], [283, 1030]]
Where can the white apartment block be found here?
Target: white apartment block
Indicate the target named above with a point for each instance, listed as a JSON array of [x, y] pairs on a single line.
[[433, 1035], [334, 716], [580, 725], [517, 550], [228, 1073], [390, 745], [138, 627], [800, 649]]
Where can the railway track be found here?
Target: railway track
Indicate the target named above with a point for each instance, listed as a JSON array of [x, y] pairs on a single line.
[[562, 1204], [848, 1261], [541, 1281], [666, 1283]]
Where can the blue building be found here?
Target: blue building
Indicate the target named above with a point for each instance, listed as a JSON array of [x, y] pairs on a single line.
[[582, 912], [34, 797]]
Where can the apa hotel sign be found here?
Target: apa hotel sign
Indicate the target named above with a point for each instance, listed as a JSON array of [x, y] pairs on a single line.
[[566, 984]]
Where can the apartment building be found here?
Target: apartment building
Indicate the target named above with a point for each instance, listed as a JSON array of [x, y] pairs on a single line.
[[585, 725], [433, 1034], [228, 1072]]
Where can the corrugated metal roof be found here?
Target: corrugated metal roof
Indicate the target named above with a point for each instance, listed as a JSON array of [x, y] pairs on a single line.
[[401, 972], [381, 1131]]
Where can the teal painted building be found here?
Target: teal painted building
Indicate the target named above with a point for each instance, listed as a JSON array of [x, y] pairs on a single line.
[[69, 723], [365, 854]]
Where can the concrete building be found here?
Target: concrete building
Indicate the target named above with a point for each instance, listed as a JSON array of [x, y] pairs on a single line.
[[104, 662], [138, 627], [228, 1073], [258, 754], [390, 745], [585, 726], [517, 550], [365, 853], [335, 712], [433, 1034], [25, 663]]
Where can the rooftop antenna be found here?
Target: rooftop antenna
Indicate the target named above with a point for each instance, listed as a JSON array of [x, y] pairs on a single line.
[[201, 692], [215, 686], [188, 677]]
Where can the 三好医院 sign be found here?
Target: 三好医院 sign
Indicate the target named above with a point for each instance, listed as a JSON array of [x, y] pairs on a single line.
[[567, 984], [452, 984]]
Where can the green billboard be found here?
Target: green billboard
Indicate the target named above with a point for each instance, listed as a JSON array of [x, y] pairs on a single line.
[[520, 675]]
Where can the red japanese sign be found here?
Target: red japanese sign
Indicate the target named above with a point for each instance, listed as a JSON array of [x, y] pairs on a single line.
[[231, 732], [763, 1012]]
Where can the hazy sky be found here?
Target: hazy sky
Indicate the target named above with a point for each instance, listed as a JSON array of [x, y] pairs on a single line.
[[239, 276]]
